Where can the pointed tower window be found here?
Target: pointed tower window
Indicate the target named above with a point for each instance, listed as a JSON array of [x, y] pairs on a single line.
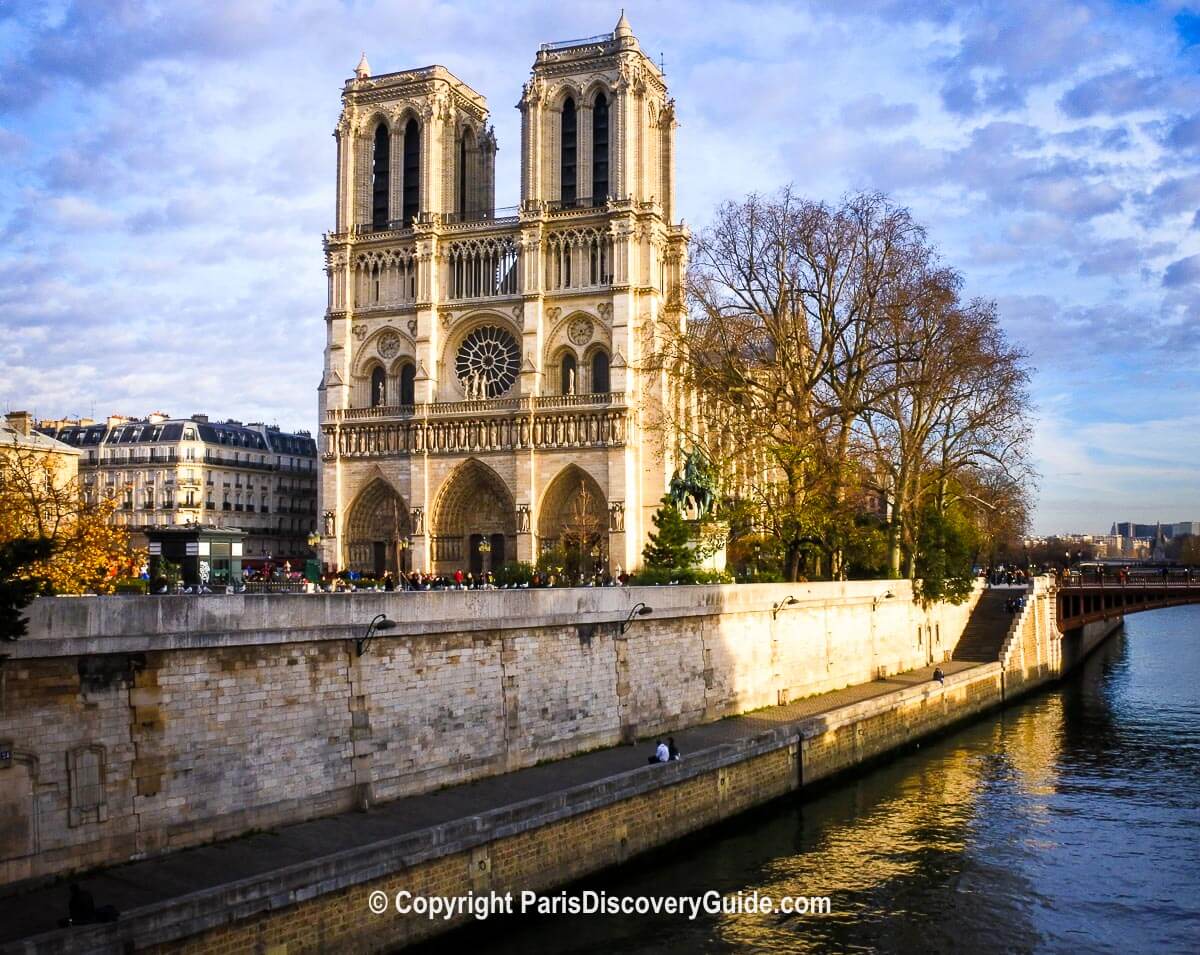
[[378, 387], [408, 377], [412, 172], [567, 383], [569, 192], [379, 177], [600, 383], [599, 150]]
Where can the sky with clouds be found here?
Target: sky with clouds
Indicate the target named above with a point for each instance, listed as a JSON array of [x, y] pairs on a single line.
[[168, 171]]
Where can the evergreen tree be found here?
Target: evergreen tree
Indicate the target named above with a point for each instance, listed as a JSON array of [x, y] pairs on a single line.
[[17, 586], [668, 547]]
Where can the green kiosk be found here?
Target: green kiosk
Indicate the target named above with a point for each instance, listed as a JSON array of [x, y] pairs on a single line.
[[208, 556]]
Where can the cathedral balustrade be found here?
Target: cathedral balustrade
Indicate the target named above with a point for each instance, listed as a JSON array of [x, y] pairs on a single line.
[[483, 406], [511, 432]]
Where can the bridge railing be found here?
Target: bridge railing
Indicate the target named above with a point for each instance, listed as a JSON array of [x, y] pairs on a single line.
[[1122, 580]]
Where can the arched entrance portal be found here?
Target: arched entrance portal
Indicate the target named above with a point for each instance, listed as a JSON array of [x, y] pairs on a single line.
[[377, 531], [474, 522], [573, 520]]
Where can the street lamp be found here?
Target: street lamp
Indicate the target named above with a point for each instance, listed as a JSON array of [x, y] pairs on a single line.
[[639, 610], [380, 622], [782, 605], [314, 540], [875, 600]]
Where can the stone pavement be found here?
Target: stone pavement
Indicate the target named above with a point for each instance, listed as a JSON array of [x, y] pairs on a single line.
[[136, 884]]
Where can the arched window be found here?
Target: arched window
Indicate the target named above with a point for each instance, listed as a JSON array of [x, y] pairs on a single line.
[[567, 374], [412, 172], [408, 377], [379, 177], [568, 192], [462, 176], [599, 149], [600, 373], [378, 387]]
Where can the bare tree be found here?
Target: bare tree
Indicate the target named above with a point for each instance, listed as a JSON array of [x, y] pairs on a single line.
[[781, 352], [826, 350]]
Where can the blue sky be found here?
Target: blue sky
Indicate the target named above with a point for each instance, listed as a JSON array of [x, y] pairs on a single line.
[[168, 170]]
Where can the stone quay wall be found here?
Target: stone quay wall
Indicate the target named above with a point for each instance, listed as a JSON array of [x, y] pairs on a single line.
[[542, 844], [139, 725]]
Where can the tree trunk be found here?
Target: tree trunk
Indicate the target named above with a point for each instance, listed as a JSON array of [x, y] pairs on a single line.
[[793, 561]]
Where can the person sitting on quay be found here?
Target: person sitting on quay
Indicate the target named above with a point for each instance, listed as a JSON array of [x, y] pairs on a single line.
[[661, 754]]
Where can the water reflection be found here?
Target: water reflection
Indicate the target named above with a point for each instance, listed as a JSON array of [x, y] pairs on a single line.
[[1069, 822]]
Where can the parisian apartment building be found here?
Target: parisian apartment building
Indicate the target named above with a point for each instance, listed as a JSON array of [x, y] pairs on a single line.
[[174, 472]]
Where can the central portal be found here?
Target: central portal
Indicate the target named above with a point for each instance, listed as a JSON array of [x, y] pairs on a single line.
[[474, 523]]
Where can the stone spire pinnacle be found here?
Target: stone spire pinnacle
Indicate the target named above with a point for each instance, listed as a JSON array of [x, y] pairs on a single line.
[[622, 29], [363, 70]]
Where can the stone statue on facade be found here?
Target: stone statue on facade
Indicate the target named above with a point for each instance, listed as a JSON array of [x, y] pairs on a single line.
[[570, 381]]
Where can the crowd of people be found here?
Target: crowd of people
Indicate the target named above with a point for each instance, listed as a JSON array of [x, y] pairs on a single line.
[[465, 580]]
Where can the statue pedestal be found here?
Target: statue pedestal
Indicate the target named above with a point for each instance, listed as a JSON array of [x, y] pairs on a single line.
[[702, 535]]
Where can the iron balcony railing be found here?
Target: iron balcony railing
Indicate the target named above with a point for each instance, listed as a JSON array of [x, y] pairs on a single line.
[[582, 41]]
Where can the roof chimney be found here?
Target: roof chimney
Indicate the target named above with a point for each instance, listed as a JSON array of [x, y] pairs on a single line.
[[20, 421]]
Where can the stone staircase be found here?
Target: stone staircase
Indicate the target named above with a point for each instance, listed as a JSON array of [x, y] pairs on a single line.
[[986, 628]]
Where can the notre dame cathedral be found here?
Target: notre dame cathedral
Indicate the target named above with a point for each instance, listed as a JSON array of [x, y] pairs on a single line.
[[481, 399]]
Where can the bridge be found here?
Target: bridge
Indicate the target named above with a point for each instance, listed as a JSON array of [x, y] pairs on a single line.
[[1085, 598]]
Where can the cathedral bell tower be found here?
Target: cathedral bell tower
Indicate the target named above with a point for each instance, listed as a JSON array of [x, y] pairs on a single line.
[[597, 124]]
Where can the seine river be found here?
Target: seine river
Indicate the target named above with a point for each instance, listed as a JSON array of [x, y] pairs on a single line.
[[1068, 823]]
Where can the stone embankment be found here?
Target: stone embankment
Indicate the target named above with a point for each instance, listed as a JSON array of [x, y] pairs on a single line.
[[306, 887]]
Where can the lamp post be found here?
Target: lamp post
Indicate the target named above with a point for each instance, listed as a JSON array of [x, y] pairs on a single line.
[[402, 545], [379, 622], [639, 610], [782, 605], [485, 548]]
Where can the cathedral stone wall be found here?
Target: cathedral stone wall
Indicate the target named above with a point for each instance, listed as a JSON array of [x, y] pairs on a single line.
[[138, 726]]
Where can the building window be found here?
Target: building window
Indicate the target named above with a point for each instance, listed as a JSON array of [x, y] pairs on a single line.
[[412, 172], [568, 192], [378, 387], [568, 385], [599, 149], [379, 177], [462, 176], [408, 377], [600, 373]]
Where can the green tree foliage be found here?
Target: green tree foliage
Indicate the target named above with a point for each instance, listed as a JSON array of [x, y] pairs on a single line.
[[17, 587], [945, 555], [669, 547], [514, 573]]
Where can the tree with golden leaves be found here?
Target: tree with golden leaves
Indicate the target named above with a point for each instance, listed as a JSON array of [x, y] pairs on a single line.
[[88, 552]]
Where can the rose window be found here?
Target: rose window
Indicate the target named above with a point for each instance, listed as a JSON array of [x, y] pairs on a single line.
[[488, 359]]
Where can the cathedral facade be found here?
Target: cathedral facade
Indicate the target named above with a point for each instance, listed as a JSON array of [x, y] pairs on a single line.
[[482, 398]]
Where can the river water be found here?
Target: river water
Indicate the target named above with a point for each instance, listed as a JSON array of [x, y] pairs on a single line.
[[1068, 823]]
